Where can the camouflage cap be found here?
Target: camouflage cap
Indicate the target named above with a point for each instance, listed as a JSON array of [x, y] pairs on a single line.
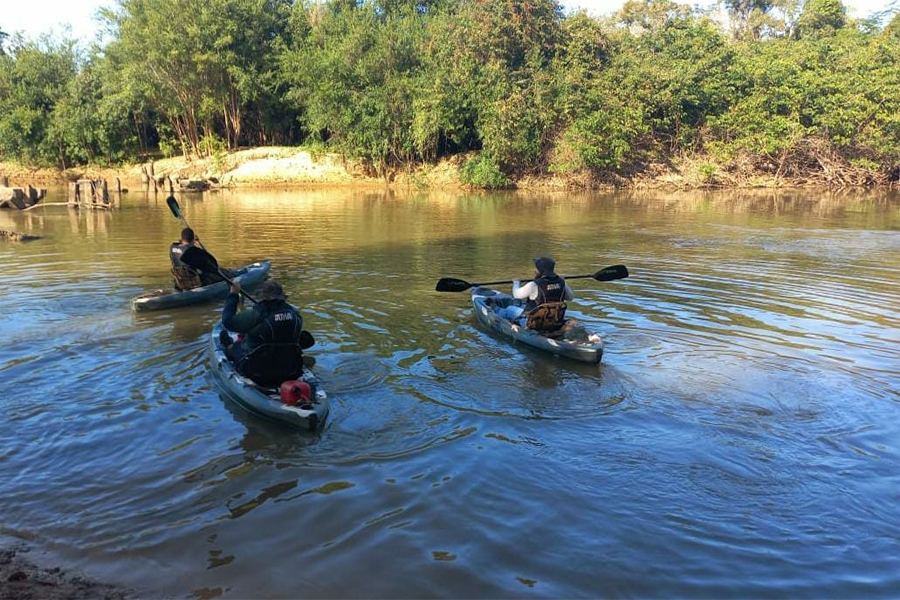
[[270, 290]]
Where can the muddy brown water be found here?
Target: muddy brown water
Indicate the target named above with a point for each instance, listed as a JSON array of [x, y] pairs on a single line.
[[740, 438]]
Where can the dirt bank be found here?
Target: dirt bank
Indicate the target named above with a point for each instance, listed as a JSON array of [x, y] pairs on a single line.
[[288, 166], [251, 167], [20, 579]]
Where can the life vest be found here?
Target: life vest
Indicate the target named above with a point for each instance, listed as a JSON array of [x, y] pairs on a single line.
[[175, 252], [186, 278], [547, 314], [551, 288], [273, 347]]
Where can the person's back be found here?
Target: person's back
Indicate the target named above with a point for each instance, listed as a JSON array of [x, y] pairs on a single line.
[[544, 297], [187, 278], [270, 351], [547, 288]]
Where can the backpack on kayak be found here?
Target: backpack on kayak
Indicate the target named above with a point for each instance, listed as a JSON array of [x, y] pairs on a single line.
[[186, 278], [547, 318]]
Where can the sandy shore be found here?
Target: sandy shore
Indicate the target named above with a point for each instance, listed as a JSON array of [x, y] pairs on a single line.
[[299, 167]]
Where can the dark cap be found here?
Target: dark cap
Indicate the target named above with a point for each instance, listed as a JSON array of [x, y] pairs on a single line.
[[187, 234], [544, 264], [270, 290]]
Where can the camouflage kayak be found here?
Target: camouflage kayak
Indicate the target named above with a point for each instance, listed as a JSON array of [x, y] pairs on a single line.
[[486, 302], [249, 277]]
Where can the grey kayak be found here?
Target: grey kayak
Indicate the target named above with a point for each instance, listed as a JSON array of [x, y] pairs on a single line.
[[486, 301], [266, 402], [248, 276]]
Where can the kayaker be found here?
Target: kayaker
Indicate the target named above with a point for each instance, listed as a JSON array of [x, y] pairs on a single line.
[[187, 278], [547, 287], [270, 350]]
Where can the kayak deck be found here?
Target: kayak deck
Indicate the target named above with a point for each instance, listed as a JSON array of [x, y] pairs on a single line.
[[486, 301], [249, 277], [266, 402]]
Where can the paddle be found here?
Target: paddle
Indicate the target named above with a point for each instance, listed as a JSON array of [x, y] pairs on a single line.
[[203, 261], [176, 210], [199, 258], [449, 284]]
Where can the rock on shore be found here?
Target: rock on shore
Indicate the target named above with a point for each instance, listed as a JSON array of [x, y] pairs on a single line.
[[20, 579]]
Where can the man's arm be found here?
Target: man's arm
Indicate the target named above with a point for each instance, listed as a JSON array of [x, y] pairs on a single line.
[[240, 322], [526, 291], [568, 296]]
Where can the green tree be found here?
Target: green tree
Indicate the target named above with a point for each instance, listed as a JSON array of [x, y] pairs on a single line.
[[527, 89], [34, 77], [206, 65], [748, 17], [355, 78], [822, 15], [493, 87]]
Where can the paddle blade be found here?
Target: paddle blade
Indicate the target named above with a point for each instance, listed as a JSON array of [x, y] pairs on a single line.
[[200, 259], [307, 340], [448, 284], [611, 273], [173, 206]]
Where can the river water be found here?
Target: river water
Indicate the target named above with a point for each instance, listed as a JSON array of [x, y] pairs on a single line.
[[740, 438]]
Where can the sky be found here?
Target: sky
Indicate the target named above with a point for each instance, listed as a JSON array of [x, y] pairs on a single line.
[[33, 17]]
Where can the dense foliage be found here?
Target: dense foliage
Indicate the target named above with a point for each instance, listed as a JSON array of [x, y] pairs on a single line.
[[791, 88]]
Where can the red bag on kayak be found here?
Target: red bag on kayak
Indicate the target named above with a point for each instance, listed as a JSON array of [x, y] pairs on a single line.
[[295, 392]]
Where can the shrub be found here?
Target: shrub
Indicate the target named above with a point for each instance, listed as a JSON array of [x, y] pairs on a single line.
[[480, 171]]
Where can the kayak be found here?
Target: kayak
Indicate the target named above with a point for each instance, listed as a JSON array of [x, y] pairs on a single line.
[[263, 401], [248, 276], [486, 301]]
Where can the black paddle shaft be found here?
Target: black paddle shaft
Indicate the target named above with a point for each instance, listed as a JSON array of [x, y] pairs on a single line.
[[203, 261], [449, 284], [176, 210], [199, 258]]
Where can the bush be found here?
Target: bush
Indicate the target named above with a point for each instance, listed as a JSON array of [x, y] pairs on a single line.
[[707, 172], [482, 172]]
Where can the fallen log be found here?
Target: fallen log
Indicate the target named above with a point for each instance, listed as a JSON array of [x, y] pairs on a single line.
[[34, 206], [15, 236]]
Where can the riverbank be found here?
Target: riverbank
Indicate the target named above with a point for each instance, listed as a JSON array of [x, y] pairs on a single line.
[[292, 166], [21, 579]]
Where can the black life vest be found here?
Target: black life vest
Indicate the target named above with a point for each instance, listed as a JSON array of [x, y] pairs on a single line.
[[551, 288], [175, 252], [273, 349]]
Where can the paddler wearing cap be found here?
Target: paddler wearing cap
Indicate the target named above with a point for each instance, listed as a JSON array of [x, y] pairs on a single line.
[[546, 287], [270, 348]]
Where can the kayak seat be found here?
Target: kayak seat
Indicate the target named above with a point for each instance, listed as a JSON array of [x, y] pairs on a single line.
[[486, 292], [501, 302], [186, 278], [547, 319], [269, 365]]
